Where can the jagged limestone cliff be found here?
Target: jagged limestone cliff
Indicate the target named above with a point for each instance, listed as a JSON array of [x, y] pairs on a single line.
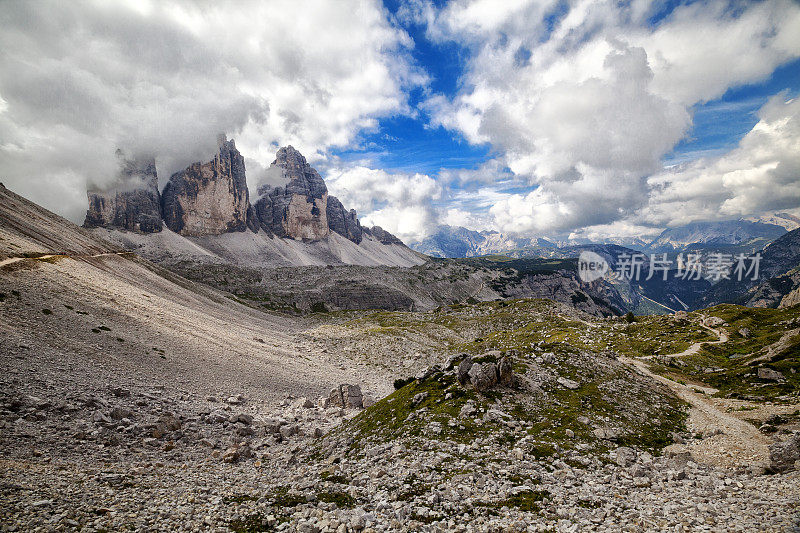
[[132, 202], [208, 198]]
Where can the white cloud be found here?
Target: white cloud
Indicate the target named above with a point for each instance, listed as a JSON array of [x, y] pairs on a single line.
[[79, 79], [761, 176], [398, 202], [454, 216], [703, 49], [587, 109]]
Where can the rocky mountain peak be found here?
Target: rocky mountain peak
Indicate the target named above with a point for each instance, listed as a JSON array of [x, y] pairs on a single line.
[[300, 177], [132, 201], [212, 198], [209, 198], [288, 157]]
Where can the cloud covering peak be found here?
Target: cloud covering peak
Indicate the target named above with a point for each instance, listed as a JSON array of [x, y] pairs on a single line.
[[80, 79]]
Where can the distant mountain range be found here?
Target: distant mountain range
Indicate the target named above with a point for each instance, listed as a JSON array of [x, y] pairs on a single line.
[[731, 236], [742, 235], [460, 242], [778, 284]]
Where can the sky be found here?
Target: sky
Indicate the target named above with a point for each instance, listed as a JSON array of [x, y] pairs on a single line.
[[568, 119]]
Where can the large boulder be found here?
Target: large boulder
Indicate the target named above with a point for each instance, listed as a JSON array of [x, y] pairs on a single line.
[[209, 198], [132, 202], [483, 376], [784, 455], [347, 396], [769, 374], [505, 372], [463, 371]]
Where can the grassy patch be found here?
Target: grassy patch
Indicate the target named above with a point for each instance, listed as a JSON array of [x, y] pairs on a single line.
[[732, 367], [341, 499], [253, 523], [335, 478], [527, 500], [239, 498], [281, 497]]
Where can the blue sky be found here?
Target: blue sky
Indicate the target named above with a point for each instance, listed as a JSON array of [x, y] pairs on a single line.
[[718, 125], [717, 118], [558, 118], [407, 144]]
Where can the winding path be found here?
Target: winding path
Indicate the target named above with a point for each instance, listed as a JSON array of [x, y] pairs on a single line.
[[730, 441], [694, 348]]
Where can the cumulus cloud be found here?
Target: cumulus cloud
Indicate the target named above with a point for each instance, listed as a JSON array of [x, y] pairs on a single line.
[[761, 176], [79, 79], [400, 203], [585, 99]]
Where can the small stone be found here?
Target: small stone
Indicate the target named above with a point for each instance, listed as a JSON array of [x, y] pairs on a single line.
[[568, 383], [769, 374]]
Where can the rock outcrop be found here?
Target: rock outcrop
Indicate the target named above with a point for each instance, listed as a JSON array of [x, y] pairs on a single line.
[[348, 396], [208, 198], [132, 202], [212, 198], [484, 373], [383, 236], [343, 222], [299, 209]]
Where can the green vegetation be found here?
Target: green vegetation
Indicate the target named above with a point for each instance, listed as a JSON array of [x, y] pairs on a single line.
[[527, 500], [239, 498], [281, 497], [341, 499], [399, 383], [392, 417], [335, 478], [732, 366], [529, 329], [319, 307], [253, 523]]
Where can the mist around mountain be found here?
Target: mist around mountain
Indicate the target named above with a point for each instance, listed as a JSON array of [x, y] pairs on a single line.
[[206, 215]]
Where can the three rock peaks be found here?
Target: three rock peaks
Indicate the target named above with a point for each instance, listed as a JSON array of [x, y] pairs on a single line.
[[212, 198]]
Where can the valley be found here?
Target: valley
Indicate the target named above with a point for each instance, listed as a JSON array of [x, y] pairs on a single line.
[[136, 398]]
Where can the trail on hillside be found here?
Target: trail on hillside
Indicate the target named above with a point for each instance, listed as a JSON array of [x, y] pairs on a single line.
[[730, 441], [694, 348], [12, 260]]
